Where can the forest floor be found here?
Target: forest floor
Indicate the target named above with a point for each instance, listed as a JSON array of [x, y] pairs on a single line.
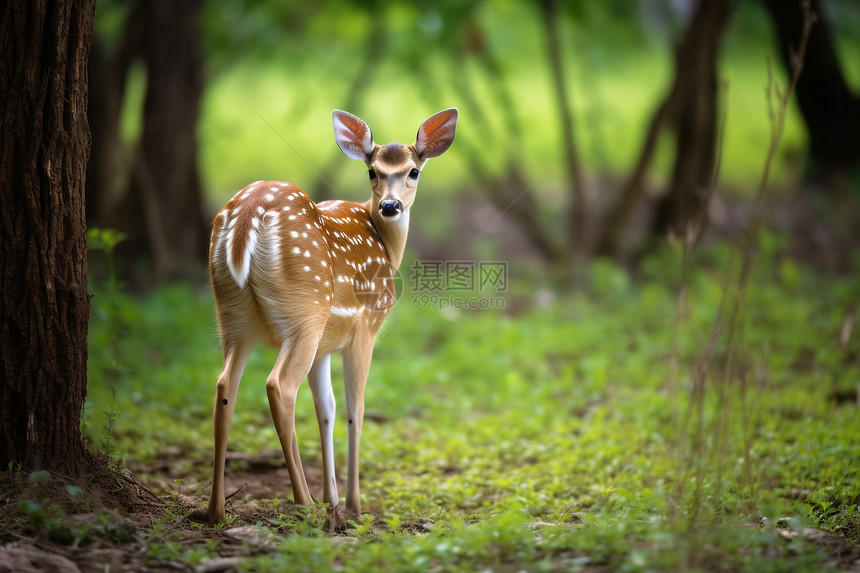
[[87, 537], [154, 534]]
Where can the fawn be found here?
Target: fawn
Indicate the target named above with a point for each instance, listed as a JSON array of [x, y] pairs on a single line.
[[312, 279]]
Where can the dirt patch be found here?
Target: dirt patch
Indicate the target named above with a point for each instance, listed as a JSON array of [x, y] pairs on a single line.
[[114, 521], [265, 476]]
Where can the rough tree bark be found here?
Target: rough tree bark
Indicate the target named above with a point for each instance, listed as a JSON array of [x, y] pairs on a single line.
[[44, 306], [690, 108], [830, 110]]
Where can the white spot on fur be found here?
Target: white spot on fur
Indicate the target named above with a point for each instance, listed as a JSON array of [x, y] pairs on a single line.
[[346, 310]]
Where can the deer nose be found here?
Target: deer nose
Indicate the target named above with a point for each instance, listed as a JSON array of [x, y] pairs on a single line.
[[390, 207]]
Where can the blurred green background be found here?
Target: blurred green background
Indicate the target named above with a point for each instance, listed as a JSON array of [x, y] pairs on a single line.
[[259, 80]]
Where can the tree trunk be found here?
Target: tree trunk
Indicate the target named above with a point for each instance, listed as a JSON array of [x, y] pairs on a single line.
[[830, 110], [108, 71], [611, 241], [166, 187], [44, 306], [157, 200], [576, 215], [691, 108]]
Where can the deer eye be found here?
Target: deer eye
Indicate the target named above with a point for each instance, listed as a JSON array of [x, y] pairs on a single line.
[[372, 174], [414, 174]]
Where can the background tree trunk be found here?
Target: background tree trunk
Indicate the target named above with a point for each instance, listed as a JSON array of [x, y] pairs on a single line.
[[44, 306], [691, 109], [576, 215], [160, 205], [830, 110], [165, 185], [681, 211], [107, 68]]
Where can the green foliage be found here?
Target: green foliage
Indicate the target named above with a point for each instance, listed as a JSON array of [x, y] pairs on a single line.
[[17, 468], [36, 516], [550, 439], [104, 239]]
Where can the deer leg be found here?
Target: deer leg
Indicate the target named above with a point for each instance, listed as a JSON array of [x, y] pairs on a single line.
[[227, 388], [282, 386], [356, 365], [319, 379]]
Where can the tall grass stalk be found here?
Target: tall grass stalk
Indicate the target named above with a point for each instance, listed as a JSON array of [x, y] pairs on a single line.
[[708, 442], [106, 240]]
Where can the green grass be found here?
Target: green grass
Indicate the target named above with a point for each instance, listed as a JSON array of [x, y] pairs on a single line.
[[541, 438]]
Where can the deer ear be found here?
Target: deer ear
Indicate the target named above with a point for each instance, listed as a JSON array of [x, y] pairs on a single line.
[[436, 133], [352, 135]]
